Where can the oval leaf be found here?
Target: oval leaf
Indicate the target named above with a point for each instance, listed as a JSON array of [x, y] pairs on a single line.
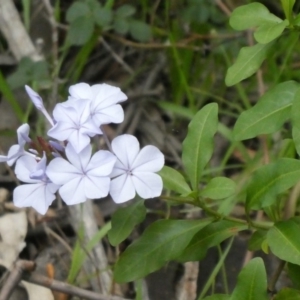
[[219, 188], [269, 114], [284, 241], [212, 235], [247, 63], [270, 31], [288, 8], [256, 240], [81, 30], [252, 282], [124, 220], [251, 15], [198, 145], [174, 181], [271, 180], [77, 10], [296, 120], [140, 30], [162, 241]]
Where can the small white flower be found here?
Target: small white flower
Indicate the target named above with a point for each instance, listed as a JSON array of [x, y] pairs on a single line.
[[104, 98], [38, 103], [135, 170], [74, 124], [82, 177], [39, 192], [16, 151]]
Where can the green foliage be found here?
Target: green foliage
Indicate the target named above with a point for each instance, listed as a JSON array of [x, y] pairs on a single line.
[[161, 242], [288, 294], [29, 71], [212, 235], [251, 15], [270, 180], [247, 63], [296, 120], [174, 181], [257, 239], [217, 297], [269, 114], [219, 188], [293, 273], [284, 242], [252, 282], [83, 16], [198, 145], [124, 220]]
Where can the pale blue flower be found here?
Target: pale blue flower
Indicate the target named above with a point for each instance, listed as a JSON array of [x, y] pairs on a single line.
[[16, 151], [39, 192], [104, 99], [82, 177], [74, 124], [38, 103], [134, 171]]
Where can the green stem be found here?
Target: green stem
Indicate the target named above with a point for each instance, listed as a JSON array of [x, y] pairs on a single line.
[[213, 213]]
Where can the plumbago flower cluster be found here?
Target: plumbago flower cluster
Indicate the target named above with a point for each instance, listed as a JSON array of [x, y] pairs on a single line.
[[66, 165]]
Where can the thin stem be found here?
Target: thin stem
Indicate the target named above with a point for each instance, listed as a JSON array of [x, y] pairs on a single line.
[[211, 212], [274, 279]]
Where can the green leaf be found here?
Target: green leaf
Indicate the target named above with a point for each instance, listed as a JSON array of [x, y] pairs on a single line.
[[284, 241], [219, 188], [198, 145], [293, 272], [121, 26], [125, 11], [174, 181], [212, 235], [140, 30], [102, 16], [256, 240], [77, 10], [251, 15], [218, 297], [81, 30], [269, 114], [287, 294], [296, 120], [247, 63], [124, 220], [287, 6], [271, 180], [269, 31], [161, 242], [251, 282]]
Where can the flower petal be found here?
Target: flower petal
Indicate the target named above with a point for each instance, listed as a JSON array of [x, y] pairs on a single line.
[[23, 134], [101, 164], [150, 159], [81, 91], [111, 114], [147, 185], [79, 160], [24, 166], [122, 189], [60, 131], [61, 171], [118, 169], [126, 147], [108, 95], [78, 140], [96, 187], [34, 195], [73, 191]]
